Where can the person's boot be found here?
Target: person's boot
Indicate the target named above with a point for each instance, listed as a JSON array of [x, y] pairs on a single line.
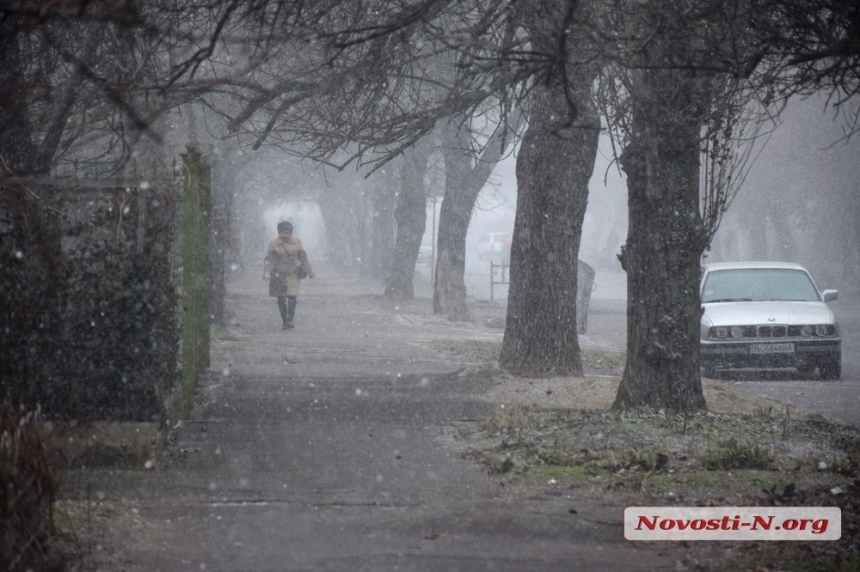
[[282, 306], [291, 312]]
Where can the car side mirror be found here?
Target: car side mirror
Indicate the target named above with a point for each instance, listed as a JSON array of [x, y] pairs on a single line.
[[830, 295]]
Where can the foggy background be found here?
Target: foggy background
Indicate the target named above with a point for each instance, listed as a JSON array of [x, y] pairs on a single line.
[[798, 204]]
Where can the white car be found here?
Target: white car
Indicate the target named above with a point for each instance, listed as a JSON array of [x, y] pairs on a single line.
[[767, 315], [493, 246]]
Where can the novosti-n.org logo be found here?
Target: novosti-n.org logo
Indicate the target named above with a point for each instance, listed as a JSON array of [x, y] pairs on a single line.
[[732, 523]]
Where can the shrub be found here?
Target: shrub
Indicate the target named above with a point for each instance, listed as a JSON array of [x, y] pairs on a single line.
[[734, 455], [27, 489]]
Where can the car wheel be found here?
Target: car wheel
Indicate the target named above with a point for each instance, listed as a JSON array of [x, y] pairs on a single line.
[[831, 369]]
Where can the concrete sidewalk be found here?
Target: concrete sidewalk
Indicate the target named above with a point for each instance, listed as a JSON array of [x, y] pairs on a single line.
[[334, 447]]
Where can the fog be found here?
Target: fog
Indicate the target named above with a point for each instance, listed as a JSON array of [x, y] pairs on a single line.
[[351, 409], [605, 225], [798, 202], [307, 224]]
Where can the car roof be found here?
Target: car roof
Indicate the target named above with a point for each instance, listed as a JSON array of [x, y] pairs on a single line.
[[751, 264]]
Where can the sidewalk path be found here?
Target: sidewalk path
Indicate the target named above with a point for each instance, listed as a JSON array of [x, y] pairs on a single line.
[[331, 448]]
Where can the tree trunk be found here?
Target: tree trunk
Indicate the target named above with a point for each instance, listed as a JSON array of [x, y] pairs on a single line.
[[464, 179], [664, 245], [449, 286], [19, 155], [411, 216], [554, 166], [383, 229]]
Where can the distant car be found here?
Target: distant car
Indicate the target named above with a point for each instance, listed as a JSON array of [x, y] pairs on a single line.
[[492, 246], [767, 315]]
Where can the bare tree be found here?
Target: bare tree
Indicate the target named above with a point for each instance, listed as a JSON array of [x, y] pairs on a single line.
[[364, 84], [83, 80], [688, 98], [63, 72], [815, 44], [411, 216], [370, 87], [553, 169], [465, 177]]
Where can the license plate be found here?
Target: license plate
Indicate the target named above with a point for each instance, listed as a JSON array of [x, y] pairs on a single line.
[[772, 349]]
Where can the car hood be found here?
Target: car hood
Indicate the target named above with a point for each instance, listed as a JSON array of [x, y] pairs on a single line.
[[752, 313]]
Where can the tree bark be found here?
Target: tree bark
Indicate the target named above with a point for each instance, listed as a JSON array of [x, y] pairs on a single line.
[[449, 286], [411, 216], [19, 154], [665, 242], [464, 179], [554, 166]]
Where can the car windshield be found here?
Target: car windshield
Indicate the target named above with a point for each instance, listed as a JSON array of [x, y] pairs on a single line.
[[758, 284]]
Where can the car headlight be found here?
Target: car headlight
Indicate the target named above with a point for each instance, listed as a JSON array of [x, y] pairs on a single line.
[[722, 332], [825, 330], [737, 332], [806, 331]]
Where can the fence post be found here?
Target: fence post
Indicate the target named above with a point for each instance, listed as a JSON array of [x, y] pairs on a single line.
[[197, 270]]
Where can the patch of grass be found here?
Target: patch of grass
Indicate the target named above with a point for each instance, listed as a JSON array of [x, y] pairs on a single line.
[[847, 441], [739, 459], [767, 482], [700, 480], [735, 455], [600, 466], [507, 420], [764, 412], [659, 481], [552, 458], [603, 358], [633, 460], [649, 459]]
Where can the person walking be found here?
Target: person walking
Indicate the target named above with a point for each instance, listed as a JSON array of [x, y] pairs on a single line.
[[285, 264]]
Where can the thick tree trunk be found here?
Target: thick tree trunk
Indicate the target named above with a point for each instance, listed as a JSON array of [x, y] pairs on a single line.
[[554, 166], [411, 216], [664, 245]]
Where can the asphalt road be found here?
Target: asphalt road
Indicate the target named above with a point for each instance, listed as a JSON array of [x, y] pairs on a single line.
[[839, 400], [334, 447]]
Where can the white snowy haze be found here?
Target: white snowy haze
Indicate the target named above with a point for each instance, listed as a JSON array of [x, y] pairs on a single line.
[[800, 201]]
